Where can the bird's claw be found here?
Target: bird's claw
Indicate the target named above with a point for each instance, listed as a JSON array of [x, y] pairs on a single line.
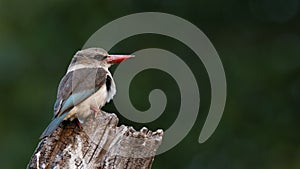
[[96, 110]]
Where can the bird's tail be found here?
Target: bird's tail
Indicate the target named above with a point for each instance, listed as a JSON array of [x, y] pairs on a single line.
[[53, 125]]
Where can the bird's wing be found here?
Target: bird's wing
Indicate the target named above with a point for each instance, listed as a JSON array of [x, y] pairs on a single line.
[[76, 86]]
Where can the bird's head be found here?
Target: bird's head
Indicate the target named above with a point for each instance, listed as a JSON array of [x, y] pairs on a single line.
[[95, 57]]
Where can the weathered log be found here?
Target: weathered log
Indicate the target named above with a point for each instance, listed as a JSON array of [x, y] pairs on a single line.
[[99, 143]]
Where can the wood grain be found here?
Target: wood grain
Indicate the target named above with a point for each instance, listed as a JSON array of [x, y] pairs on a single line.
[[99, 143]]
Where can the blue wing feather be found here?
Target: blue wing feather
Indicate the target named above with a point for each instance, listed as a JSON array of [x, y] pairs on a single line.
[[75, 99], [75, 87], [53, 125]]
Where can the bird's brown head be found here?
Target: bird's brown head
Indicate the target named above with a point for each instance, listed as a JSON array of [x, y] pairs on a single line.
[[95, 57]]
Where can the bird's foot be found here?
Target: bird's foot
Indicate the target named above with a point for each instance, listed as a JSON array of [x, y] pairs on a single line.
[[96, 110]]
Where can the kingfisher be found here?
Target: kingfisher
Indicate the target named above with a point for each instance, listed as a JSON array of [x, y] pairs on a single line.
[[85, 88]]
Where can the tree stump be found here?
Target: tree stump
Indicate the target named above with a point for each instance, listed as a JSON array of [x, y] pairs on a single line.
[[99, 143]]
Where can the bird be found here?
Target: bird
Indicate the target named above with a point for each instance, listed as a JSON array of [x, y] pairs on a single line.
[[85, 88]]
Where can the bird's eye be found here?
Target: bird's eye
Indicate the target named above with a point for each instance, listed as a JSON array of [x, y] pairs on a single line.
[[98, 57]]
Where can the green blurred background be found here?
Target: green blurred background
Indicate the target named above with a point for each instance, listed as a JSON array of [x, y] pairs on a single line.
[[257, 40]]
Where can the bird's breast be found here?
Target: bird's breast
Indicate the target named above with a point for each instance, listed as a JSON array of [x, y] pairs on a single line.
[[97, 100]]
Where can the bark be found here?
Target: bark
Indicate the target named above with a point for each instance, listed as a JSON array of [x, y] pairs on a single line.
[[99, 143]]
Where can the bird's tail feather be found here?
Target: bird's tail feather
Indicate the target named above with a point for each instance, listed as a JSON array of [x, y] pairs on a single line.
[[53, 125]]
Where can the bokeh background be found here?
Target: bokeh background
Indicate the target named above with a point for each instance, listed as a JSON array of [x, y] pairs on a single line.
[[258, 42]]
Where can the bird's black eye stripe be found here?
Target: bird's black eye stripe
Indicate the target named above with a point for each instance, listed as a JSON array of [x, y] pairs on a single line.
[[108, 83]]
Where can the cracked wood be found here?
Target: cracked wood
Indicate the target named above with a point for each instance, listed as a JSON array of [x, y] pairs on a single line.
[[100, 143]]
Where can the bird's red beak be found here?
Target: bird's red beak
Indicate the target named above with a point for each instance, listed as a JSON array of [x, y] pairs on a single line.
[[112, 59]]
